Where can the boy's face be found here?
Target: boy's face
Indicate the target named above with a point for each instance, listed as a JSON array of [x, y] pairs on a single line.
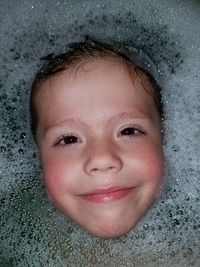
[[99, 138]]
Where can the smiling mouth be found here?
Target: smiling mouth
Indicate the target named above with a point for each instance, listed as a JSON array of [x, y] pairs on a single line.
[[107, 195]]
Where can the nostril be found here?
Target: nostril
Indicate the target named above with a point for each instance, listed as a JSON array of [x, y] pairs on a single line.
[[102, 169], [103, 162]]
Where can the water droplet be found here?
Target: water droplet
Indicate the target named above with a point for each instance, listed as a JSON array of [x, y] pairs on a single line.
[[176, 222], [70, 230], [189, 251], [107, 250], [93, 260], [23, 234], [175, 148], [3, 201], [145, 226], [22, 135], [2, 149], [21, 151], [93, 251]]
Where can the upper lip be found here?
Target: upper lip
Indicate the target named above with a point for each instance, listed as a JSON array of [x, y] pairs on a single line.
[[107, 190]]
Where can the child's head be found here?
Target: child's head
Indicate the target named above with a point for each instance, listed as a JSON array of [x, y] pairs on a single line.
[[96, 118]]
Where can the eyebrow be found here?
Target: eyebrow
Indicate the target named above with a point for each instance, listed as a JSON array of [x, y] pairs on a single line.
[[121, 115], [135, 115]]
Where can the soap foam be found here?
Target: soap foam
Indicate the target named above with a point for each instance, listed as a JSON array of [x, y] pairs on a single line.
[[33, 232]]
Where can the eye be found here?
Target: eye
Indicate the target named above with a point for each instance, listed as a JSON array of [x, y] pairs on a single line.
[[67, 140], [130, 131]]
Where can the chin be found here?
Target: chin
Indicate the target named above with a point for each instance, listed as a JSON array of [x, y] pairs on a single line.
[[110, 231]]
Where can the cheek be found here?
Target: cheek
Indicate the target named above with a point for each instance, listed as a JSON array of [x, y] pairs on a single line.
[[149, 171], [153, 176], [57, 176], [154, 173], [154, 164], [148, 161]]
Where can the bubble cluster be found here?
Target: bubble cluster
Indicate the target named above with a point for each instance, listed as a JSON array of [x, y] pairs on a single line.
[[33, 231]]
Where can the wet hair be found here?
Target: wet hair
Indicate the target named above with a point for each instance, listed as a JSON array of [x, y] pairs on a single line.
[[78, 53]]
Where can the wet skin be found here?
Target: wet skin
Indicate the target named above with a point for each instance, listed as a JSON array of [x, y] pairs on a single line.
[[100, 144]]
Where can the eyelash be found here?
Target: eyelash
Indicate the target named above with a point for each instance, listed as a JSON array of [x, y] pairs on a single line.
[[71, 135], [134, 128], [62, 137]]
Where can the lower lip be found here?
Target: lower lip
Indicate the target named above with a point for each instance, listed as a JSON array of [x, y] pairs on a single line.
[[108, 197]]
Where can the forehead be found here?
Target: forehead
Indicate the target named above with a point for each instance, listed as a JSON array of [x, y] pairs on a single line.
[[103, 66], [91, 86]]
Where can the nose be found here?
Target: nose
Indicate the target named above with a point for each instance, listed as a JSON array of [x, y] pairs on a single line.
[[102, 158]]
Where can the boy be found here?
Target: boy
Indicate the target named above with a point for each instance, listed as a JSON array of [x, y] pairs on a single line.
[[96, 119]]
